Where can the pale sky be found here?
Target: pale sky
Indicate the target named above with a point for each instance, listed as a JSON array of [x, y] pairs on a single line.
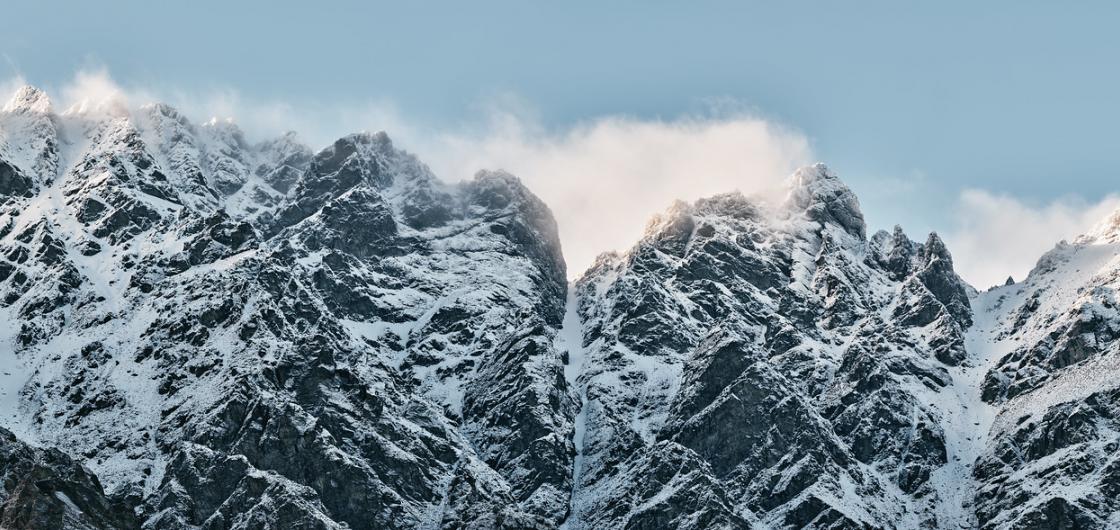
[[993, 123]]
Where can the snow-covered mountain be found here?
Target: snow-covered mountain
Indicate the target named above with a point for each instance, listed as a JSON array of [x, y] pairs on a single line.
[[197, 331]]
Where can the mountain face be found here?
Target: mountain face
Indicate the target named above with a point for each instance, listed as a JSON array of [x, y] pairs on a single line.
[[197, 331], [224, 346], [790, 371]]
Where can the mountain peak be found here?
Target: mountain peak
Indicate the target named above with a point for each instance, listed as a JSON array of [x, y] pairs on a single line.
[[825, 198], [162, 109], [935, 248], [29, 99], [226, 131], [379, 141]]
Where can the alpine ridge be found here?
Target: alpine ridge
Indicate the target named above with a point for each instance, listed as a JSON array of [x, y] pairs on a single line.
[[202, 332]]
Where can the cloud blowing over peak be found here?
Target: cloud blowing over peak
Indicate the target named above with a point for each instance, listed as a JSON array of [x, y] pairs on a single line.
[[603, 178], [997, 235]]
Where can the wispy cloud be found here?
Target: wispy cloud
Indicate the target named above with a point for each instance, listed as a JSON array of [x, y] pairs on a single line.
[[8, 88], [604, 179], [998, 235], [93, 89]]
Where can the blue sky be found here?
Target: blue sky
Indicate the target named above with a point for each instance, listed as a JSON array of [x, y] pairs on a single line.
[[911, 103]]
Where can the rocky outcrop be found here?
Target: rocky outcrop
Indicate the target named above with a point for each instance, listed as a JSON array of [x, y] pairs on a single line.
[[45, 488]]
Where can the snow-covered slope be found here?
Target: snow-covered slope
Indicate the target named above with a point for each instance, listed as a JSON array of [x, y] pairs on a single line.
[[198, 331], [1051, 457]]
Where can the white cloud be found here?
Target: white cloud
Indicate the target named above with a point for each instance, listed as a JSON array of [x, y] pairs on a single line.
[[604, 179], [92, 90], [318, 124], [998, 235]]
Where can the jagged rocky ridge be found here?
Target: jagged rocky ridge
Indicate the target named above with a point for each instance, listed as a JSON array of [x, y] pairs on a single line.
[[370, 348], [203, 332]]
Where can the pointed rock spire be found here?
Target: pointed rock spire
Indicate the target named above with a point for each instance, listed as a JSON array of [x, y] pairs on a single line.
[[899, 259], [939, 277], [825, 198], [935, 249]]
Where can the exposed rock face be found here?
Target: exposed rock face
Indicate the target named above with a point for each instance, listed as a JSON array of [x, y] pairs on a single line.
[[757, 343], [45, 488], [204, 332]]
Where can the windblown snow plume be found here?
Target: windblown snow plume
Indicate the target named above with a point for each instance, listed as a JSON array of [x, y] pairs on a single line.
[[606, 178]]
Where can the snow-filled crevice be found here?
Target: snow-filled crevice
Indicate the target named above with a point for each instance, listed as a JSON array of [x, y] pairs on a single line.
[[966, 419], [570, 339]]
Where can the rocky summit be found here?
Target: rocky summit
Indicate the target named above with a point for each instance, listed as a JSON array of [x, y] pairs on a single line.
[[198, 331]]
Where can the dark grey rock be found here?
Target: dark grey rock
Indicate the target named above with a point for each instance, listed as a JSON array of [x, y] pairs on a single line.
[[45, 488]]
